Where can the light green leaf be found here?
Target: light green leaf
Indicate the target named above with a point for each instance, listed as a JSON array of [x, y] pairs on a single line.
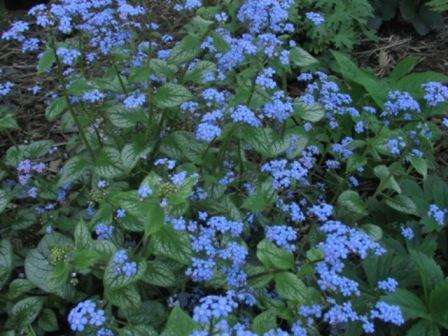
[[172, 95], [159, 274], [290, 287], [402, 204], [179, 324], [56, 108], [410, 304], [312, 113], [5, 261], [274, 257], [350, 202]]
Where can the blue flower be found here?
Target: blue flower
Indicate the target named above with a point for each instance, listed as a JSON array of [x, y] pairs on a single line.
[[85, 313], [144, 191], [388, 285], [283, 236], [435, 93], [243, 114], [437, 214], [5, 88], [67, 56], [407, 233], [264, 79], [316, 18], [387, 313], [213, 307], [134, 101], [399, 102], [207, 132], [103, 231]]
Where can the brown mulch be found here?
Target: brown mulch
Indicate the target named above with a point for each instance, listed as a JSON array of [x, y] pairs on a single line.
[[395, 45]]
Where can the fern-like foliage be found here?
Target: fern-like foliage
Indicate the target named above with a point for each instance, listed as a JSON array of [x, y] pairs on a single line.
[[346, 22], [438, 5]]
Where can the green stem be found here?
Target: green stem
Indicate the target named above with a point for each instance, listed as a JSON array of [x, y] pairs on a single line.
[[66, 97], [119, 77]]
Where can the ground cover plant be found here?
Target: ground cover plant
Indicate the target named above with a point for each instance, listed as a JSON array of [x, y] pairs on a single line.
[[219, 180]]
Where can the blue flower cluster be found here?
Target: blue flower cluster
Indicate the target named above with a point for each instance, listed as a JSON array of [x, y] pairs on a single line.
[[213, 253], [122, 265], [388, 285], [285, 173], [437, 214], [86, 313], [435, 93], [283, 236]]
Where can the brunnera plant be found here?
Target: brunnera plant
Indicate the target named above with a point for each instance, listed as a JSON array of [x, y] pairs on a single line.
[[219, 182]]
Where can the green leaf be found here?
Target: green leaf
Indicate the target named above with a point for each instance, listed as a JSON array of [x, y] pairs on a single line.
[[404, 67], [410, 303], [185, 50], [4, 200], [8, 121], [301, 58], [38, 268], [138, 330], [83, 239], [420, 165], [108, 163], [264, 322], [48, 320], [438, 303], [112, 280], [424, 328], [261, 198], [274, 257], [25, 311], [19, 287], [133, 152], [265, 142], [179, 324], [5, 261], [122, 118], [290, 287], [172, 95], [155, 218], [378, 90], [56, 108], [124, 297], [403, 204], [312, 113], [387, 180], [172, 244], [413, 83], [430, 272], [46, 61], [199, 70], [73, 169], [350, 202], [159, 274], [373, 231]]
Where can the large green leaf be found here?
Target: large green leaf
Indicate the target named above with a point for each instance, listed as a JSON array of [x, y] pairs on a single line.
[[410, 304], [5, 261], [430, 272], [159, 274], [274, 257], [179, 324], [172, 244], [172, 95], [290, 287], [438, 303], [25, 311]]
